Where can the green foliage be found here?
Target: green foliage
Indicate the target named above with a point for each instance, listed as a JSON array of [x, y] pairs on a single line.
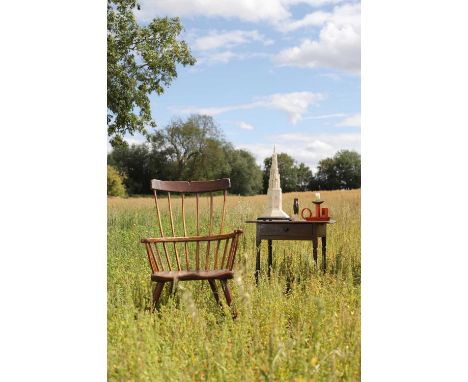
[[301, 325], [246, 175], [193, 149], [115, 186], [293, 177], [140, 60], [140, 163], [343, 171]]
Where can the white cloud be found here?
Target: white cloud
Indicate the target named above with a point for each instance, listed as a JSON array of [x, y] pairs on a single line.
[[245, 126], [246, 10], [216, 39], [224, 57], [325, 116], [295, 104], [338, 45], [347, 14], [313, 3], [305, 147], [217, 57], [351, 121]]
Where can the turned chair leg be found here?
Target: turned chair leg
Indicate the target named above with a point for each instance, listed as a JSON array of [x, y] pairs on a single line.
[[227, 292], [157, 293], [215, 291]]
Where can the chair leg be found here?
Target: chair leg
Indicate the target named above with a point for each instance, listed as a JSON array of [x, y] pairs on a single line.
[[157, 293], [227, 292], [215, 290]]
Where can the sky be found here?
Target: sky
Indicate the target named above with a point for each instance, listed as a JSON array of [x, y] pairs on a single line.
[[270, 72]]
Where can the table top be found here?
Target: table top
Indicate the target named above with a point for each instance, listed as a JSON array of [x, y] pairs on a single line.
[[331, 221]]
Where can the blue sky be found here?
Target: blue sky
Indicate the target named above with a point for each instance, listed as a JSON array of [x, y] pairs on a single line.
[[284, 72]]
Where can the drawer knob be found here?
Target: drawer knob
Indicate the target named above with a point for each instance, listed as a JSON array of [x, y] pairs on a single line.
[[286, 229]]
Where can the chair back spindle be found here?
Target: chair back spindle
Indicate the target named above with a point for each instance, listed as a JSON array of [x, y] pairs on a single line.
[[185, 232], [172, 229]]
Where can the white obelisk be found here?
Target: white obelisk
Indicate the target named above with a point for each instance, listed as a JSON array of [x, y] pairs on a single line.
[[274, 196]]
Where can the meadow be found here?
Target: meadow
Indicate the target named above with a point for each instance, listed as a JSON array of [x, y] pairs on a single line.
[[299, 325]]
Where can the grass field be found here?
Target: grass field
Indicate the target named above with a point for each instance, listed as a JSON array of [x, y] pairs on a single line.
[[301, 325]]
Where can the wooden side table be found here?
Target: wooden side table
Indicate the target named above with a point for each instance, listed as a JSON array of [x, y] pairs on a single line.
[[290, 230]]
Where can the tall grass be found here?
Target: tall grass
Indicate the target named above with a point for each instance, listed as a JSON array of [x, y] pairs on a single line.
[[301, 325]]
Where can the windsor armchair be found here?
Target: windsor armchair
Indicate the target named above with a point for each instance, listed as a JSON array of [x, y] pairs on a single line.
[[199, 257]]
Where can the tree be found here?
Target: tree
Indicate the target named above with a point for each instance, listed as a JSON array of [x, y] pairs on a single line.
[[192, 146], [140, 61], [304, 176], [245, 174], [115, 181], [140, 163], [343, 171]]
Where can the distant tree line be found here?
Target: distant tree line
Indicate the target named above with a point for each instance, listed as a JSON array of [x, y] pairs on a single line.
[[195, 149]]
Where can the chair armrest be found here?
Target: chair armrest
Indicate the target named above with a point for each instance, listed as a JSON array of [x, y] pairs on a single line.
[[189, 239]]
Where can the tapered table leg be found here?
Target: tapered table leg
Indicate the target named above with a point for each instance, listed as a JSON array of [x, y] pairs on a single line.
[[324, 254], [270, 257], [315, 246]]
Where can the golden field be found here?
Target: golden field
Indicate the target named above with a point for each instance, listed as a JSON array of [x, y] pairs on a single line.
[[300, 325]]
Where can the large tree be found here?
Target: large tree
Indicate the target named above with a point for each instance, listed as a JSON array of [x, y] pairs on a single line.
[[190, 145], [140, 60]]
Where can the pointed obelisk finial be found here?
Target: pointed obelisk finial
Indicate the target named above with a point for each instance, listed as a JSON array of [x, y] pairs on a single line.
[[275, 200]]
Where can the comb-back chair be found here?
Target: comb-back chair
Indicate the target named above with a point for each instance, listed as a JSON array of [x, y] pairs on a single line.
[[168, 256]]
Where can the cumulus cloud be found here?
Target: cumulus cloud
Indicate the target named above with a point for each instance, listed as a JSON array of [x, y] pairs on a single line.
[[338, 45], [216, 39], [351, 121], [295, 104]]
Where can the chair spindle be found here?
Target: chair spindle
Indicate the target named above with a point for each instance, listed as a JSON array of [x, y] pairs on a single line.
[[209, 232], [161, 228], [197, 259], [159, 256], [185, 233], [220, 230], [173, 231], [224, 252], [151, 258]]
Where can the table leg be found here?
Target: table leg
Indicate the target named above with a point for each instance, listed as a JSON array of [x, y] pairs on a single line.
[[315, 246], [324, 254], [270, 257], [258, 243]]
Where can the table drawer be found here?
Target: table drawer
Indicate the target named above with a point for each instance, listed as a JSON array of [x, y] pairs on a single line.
[[288, 231]]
